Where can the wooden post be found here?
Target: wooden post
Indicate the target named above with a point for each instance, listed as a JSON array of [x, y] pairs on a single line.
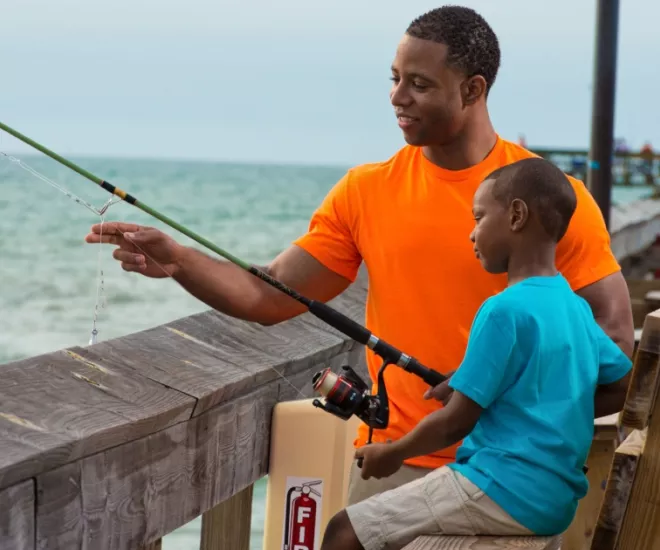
[[578, 536], [617, 491], [641, 525], [228, 524]]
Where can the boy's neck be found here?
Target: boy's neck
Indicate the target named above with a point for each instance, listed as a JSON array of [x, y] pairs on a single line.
[[533, 262]]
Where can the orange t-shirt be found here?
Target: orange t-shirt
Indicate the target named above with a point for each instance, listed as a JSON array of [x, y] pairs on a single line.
[[409, 221]]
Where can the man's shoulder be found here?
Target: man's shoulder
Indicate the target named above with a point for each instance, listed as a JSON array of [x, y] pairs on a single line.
[[514, 152], [370, 172]]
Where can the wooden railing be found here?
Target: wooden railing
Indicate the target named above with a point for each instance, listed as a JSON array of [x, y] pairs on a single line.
[[118, 444]]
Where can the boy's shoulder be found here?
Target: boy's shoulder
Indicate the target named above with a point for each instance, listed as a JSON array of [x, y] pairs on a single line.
[[533, 296]]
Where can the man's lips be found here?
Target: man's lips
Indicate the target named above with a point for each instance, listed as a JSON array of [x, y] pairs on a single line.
[[406, 121]]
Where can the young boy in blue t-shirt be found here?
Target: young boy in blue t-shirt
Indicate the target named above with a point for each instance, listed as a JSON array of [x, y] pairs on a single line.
[[537, 370]]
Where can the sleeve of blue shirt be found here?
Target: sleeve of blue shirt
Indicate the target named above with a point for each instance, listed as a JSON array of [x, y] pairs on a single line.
[[614, 363], [487, 368]]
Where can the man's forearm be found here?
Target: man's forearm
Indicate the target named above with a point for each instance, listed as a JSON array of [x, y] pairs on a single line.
[[231, 290], [610, 398]]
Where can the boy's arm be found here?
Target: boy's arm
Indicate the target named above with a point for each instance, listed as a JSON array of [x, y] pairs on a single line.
[[609, 398], [440, 429], [487, 369]]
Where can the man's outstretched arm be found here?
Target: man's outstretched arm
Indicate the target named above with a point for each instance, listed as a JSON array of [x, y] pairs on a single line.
[[218, 283], [231, 290]]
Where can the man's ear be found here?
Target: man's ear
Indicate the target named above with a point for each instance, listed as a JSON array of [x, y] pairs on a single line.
[[518, 214], [473, 89]]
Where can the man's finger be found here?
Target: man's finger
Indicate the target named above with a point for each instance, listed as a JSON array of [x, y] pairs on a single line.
[[128, 257], [133, 267], [144, 236], [115, 228], [95, 238]]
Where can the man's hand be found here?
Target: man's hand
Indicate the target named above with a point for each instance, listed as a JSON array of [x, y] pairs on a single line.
[[380, 460], [141, 249], [441, 392]]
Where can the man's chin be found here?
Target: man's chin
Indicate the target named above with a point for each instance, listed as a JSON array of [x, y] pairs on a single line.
[[413, 139]]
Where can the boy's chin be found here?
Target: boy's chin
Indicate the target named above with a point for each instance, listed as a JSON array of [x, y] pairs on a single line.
[[490, 267]]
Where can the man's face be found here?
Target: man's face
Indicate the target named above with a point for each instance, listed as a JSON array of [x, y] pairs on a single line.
[[426, 94], [491, 235]]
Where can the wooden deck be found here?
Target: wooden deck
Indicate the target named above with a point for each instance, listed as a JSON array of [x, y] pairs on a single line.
[[116, 445]]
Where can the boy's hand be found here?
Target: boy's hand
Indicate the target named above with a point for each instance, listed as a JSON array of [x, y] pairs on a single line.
[[379, 460], [441, 392]]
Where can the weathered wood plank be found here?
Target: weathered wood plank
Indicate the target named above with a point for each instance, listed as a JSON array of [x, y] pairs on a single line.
[[640, 528], [55, 408], [214, 357], [137, 492], [607, 427], [17, 516], [578, 536], [228, 524], [644, 378], [617, 491], [484, 543]]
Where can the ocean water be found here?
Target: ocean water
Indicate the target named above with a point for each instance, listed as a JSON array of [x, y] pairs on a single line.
[[49, 275]]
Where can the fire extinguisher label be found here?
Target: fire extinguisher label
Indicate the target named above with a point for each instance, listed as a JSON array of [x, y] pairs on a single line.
[[302, 517]]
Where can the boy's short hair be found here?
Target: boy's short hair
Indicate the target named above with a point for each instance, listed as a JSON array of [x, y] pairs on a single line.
[[543, 187]]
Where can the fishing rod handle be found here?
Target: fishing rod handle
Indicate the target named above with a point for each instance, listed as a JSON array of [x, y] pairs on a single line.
[[431, 377], [340, 321]]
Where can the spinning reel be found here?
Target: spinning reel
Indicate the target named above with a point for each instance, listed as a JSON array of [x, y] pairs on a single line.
[[347, 394]]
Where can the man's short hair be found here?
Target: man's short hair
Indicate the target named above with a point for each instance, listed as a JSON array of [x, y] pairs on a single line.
[[471, 43], [543, 187]]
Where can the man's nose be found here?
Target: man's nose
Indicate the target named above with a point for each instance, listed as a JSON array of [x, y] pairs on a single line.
[[399, 95]]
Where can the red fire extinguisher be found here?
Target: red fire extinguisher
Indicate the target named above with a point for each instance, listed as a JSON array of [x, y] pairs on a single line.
[[300, 520]]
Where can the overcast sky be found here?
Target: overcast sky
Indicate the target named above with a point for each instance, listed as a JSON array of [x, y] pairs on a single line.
[[293, 80]]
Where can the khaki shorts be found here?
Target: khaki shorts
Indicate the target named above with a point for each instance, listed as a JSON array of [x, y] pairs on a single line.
[[441, 502]]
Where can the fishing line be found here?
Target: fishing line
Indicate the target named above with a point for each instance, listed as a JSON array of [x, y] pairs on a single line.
[[329, 315], [100, 302], [100, 286]]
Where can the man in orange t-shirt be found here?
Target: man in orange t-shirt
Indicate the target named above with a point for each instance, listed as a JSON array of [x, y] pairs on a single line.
[[409, 219]]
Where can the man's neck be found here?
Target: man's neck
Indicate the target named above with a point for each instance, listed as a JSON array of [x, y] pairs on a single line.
[[534, 262], [467, 150]]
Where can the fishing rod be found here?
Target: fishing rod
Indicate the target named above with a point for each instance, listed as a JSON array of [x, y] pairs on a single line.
[[345, 395]]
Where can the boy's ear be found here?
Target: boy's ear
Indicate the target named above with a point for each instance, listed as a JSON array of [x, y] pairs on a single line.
[[518, 215]]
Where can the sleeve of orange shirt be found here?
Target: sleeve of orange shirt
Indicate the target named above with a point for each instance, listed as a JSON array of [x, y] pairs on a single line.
[[584, 255], [331, 237]]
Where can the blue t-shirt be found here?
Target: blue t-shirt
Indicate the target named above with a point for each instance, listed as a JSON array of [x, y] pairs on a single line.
[[534, 357]]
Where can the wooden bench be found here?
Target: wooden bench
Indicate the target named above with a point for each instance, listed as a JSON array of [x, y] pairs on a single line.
[[607, 437], [629, 517], [485, 543]]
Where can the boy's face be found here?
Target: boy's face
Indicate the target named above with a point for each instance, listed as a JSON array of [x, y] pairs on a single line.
[[492, 233]]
